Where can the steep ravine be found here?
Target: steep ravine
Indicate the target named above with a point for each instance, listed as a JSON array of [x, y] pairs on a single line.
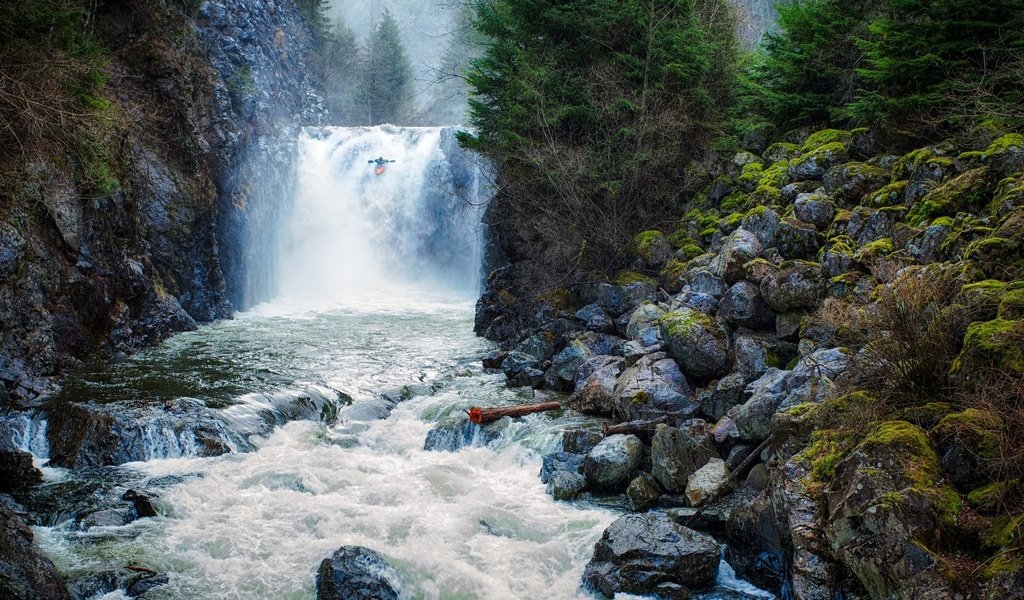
[[214, 101]]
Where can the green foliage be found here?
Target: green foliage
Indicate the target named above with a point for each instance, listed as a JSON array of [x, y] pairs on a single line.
[[315, 12], [52, 92], [384, 87], [594, 109], [925, 59], [805, 73], [923, 68], [338, 64]]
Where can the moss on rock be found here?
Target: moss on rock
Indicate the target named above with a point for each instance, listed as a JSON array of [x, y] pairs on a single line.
[[824, 137], [966, 191], [996, 344], [645, 241]]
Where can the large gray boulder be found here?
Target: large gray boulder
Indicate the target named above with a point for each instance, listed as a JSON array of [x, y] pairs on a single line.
[[743, 306], [797, 284], [703, 281], [650, 553], [678, 453], [706, 481], [699, 343], [753, 418], [539, 345], [594, 364], [24, 572], [722, 395], [596, 393], [516, 362], [612, 463], [653, 387], [739, 248], [815, 208], [569, 359], [595, 318], [355, 573], [645, 316]]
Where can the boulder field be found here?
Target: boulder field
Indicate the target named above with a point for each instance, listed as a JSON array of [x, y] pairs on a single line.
[[774, 348]]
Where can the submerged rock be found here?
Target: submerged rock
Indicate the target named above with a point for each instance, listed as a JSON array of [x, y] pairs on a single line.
[[640, 552], [355, 573]]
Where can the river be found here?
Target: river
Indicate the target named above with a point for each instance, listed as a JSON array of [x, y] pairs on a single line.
[[377, 280]]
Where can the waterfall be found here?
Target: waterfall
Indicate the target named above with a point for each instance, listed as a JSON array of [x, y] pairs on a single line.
[[414, 228]]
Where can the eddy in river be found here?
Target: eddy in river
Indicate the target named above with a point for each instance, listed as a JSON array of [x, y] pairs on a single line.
[[380, 161]]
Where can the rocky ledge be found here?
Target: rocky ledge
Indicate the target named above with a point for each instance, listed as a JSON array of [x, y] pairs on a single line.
[[833, 333]]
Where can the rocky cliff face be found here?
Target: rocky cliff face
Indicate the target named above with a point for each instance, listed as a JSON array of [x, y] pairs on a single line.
[[209, 104]]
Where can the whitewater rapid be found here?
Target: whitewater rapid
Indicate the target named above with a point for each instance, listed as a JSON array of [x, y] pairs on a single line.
[[377, 278]]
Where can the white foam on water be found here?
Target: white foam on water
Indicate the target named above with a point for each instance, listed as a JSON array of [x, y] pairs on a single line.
[[474, 523]]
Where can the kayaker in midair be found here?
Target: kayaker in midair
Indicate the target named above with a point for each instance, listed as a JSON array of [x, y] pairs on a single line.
[[380, 161]]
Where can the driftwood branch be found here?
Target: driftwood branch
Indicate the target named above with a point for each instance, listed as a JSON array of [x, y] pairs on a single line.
[[747, 462], [142, 569], [485, 415], [633, 427]]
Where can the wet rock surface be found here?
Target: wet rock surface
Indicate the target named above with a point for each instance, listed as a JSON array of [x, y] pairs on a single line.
[[355, 573], [25, 573], [640, 552]]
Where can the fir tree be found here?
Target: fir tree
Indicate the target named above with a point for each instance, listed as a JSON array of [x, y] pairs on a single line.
[[384, 87], [805, 73], [924, 59], [594, 110]]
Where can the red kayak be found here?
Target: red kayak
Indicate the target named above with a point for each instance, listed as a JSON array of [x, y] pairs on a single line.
[[379, 170]]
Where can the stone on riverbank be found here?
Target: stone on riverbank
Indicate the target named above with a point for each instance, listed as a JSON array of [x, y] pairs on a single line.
[[640, 552]]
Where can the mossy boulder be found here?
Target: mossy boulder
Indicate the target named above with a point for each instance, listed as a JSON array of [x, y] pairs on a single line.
[[967, 191], [797, 240], [836, 256], [764, 195], [1011, 305], [965, 441], [781, 151], [1004, 155], [651, 248], [815, 163], [998, 344], [871, 252], [699, 343], [1008, 196], [750, 176], [888, 195], [796, 284], [814, 208], [852, 181], [995, 254], [888, 507], [824, 137]]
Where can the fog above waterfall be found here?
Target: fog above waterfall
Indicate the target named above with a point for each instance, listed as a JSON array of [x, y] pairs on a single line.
[[429, 28]]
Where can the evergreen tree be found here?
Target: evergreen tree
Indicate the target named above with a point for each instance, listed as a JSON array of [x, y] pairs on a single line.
[[384, 88], [805, 73], [593, 109], [338, 66], [923, 59], [315, 12]]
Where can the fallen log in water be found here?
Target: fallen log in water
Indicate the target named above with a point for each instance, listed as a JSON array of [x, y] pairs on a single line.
[[486, 415], [634, 427]]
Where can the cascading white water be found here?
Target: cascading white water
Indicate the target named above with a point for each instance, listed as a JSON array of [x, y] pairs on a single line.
[[355, 232], [377, 277]]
